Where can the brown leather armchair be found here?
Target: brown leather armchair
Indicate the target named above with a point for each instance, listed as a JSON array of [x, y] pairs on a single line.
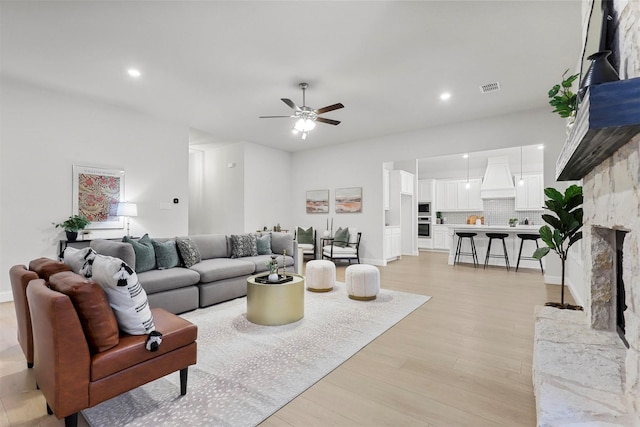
[[20, 278], [73, 378]]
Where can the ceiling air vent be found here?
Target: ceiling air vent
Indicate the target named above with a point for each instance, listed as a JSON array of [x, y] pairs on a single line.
[[490, 87]]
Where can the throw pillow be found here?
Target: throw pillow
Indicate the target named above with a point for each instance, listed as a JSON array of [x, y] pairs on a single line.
[[341, 238], [188, 251], [166, 254], [125, 293], [264, 244], [79, 259], [145, 255], [91, 303], [305, 236], [243, 245]]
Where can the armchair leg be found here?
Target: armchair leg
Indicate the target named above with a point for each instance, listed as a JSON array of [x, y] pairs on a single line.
[[49, 411], [71, 420], [183, 380], [29, 365]]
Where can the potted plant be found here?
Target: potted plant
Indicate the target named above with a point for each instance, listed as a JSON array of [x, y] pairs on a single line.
[[72, 225], [564, 101], [513, 222], [438, 217], [563, 229]]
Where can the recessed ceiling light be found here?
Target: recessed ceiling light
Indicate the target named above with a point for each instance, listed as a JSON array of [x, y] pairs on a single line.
[[540, 147], [465, 155], [445, 96], [133, 72]]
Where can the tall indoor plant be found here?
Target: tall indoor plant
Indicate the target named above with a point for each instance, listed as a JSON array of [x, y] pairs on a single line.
[[563, 229]]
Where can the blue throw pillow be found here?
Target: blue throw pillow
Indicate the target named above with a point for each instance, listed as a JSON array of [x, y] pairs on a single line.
[[264, 244], [166, 254]]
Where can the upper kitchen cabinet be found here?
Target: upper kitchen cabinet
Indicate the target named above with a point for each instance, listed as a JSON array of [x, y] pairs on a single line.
[[385, 189], [530, 195], [425, 190], [406, 182], [453, 195]]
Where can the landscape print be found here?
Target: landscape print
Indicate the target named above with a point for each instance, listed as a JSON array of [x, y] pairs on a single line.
[[318, 201], [349, 200]]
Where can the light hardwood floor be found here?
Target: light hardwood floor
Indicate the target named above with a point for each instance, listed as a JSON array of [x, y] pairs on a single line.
[[462, 359]]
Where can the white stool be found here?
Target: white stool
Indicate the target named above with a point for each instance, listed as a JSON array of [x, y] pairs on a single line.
[[320, 275], [362, 282]]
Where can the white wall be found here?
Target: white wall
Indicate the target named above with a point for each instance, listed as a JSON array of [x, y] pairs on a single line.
[[44, 133], [357, 164], [267, 188]]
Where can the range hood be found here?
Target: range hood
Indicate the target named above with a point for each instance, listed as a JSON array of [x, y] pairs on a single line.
[[497, 182]]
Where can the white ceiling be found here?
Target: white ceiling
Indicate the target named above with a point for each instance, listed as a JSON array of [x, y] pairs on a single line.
[[216, 66]]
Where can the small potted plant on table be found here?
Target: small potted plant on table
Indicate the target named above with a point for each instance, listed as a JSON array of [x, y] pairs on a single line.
[[72, 225]]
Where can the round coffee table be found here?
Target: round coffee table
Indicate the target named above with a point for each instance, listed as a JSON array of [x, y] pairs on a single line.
[[273, 305]]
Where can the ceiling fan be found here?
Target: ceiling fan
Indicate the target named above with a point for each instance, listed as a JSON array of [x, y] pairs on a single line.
[[307, 117]]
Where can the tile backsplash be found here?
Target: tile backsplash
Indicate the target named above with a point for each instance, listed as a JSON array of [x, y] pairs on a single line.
[[496, 212]]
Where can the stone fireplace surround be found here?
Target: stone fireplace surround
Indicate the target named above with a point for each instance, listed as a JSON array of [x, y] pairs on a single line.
[[582, 372]]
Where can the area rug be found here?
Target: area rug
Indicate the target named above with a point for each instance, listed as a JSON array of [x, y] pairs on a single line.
[[246, 372]]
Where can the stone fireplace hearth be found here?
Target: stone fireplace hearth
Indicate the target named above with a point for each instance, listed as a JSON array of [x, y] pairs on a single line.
[[583, 373]]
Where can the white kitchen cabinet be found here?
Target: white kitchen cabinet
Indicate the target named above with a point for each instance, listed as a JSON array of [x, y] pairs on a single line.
[[425, 190], [385, 190], [453, 195], [425, 243], [441, 238], [406, 182], [530, 195], [392, 243]]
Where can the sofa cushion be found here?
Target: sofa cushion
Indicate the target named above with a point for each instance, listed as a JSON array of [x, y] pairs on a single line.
[[126, 295], [145, 254], [78, 259], [281, 242], [263, 243], [188, 251], [116, 249], [211, 245], [341, 238], [261, 260], [243, 245], [214, 269], [176, 333], [45, 267], [304, 236], [166, 254], [91, 303], [154, 281]]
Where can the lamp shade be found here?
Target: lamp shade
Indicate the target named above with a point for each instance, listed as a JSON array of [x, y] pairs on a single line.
[[127, 209]]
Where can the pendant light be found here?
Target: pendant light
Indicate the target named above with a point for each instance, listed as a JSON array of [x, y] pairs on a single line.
[[521, 182], [467, 185]]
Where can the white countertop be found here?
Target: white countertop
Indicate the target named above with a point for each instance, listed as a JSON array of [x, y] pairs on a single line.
[[490, 228]]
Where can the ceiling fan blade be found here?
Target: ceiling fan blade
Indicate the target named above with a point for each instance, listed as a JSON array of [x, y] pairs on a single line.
[[328, 108], [291, 104], [327, 121], [274, 117]]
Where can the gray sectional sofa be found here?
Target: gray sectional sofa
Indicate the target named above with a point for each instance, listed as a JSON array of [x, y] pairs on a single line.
[[216, 278]]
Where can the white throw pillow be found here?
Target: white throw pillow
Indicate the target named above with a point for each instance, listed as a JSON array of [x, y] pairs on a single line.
[[353, 234], [126, 296], [79, 260]]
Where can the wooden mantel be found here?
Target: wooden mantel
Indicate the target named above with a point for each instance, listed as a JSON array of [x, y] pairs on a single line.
[[608, 117]]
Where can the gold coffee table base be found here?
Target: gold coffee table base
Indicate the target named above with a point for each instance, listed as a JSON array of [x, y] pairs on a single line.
[[273, 305]]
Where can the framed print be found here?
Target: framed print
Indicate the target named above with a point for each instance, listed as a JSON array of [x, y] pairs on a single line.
[[318, 201], [96, 193], [349, 200]]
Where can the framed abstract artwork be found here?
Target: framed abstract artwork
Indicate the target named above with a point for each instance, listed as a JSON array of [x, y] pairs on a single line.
[[349, 200], [318, 201], [96, 193]]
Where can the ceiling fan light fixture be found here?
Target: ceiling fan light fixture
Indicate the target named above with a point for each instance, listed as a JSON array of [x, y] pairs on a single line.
[[304, 125]]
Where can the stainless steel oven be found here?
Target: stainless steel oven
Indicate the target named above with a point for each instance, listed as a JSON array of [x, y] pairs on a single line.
[[424, 227], [424, 209]]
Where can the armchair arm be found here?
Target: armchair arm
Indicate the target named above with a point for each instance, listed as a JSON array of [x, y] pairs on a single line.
[[62, 359]]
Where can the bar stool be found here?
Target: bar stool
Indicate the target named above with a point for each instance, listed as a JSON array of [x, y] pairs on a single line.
[[473, 253], [500, 236], [527, 236]]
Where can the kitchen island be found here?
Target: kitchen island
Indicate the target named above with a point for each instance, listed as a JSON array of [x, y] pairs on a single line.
[[482, 241]]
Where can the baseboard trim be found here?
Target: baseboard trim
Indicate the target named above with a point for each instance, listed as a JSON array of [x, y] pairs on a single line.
[[552, 280], [6, 296]]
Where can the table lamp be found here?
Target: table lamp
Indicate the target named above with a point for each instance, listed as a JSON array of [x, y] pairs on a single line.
[[127, 209]]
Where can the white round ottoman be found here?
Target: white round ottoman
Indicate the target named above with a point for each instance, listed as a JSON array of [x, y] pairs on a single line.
[[362, 282], [320, 275]]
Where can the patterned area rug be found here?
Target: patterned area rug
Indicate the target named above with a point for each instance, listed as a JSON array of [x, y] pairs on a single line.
[[246, 372]]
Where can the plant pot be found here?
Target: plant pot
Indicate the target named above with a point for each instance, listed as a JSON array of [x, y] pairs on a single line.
[[72, 236]]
